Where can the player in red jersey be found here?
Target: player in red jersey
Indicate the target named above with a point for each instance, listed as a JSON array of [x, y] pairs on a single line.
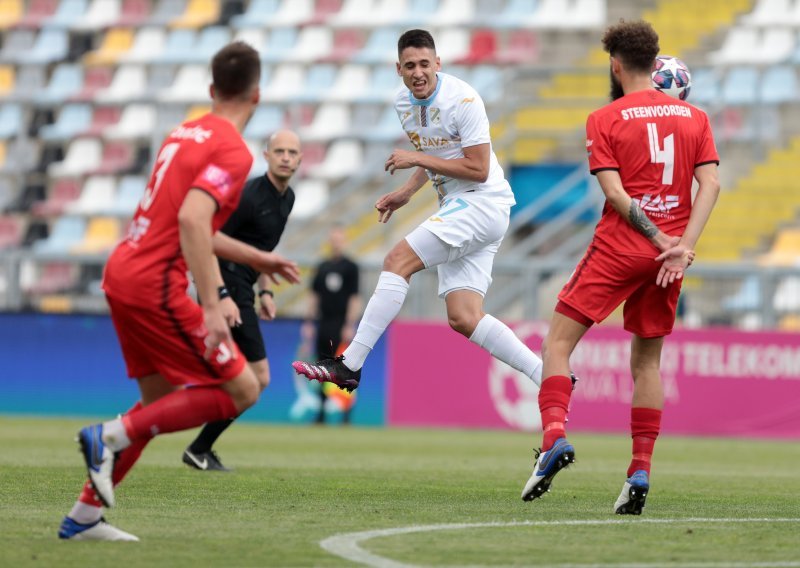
[[645, 148], [188, 369]]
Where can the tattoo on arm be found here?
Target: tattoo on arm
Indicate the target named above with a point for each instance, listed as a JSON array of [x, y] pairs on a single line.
[[641, 222]]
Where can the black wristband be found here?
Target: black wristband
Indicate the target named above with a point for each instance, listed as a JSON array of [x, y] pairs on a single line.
[[223, 293], [269, 293]]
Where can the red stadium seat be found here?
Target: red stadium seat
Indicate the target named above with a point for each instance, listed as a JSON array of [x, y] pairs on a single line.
[[102, 118], [323, 10], [482, 48], [134, 13], [38, 11], [117, 157], [345, 44], [64, 191], [95, 78], [11, 232], [522, 47]]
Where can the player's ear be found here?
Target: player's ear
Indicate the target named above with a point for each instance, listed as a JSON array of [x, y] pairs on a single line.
[[616, 66], [255, 96], [438, 63], [399, 74], [211, 91]]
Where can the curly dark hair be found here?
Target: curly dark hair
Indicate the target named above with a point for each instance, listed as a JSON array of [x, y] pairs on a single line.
[[634, 43]]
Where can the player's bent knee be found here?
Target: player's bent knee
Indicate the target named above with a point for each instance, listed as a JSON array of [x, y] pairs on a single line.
[[463, 323], [244, 390]]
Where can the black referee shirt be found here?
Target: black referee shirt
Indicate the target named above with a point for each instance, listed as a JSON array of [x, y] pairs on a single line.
[[259, 220]]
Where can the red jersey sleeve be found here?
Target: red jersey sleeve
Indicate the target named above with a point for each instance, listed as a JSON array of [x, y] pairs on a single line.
[[598, 146], [707, 150], [225, 173]]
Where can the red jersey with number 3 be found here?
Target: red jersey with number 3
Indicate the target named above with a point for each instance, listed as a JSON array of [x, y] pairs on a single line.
[[209, 154], [655, 142]]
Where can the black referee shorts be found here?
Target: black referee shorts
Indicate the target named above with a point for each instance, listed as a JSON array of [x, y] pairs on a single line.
[[248, 335]]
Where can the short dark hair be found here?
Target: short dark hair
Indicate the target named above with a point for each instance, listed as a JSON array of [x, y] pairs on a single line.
[[415, 38], [235, 70], [634, 43]]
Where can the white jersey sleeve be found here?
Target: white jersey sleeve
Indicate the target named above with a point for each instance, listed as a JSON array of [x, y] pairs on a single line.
[[473, 124]]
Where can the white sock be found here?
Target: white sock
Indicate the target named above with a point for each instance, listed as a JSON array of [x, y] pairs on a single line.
[[383, 307], [496, 337], [85, 514], [115, 436]]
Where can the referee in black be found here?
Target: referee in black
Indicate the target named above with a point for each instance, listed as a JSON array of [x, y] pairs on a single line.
[[259, 220]]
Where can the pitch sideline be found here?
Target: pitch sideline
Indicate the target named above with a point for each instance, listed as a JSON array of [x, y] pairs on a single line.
[[347, 545]]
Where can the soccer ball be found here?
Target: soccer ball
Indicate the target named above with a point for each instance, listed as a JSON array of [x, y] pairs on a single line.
[[671, 76]]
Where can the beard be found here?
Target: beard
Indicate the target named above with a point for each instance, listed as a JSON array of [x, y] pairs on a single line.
[[616, 87]]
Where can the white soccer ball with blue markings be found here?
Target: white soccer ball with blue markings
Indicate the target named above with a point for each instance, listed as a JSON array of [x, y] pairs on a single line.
[[671, 76]]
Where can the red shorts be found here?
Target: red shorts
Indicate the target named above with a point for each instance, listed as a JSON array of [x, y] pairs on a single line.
[[168, 340], [603, 280]]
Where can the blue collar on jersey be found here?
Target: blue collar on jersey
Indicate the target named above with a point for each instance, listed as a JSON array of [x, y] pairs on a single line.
[[426, 102]]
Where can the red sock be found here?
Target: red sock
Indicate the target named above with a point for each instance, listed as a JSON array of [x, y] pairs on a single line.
[[180, 410], [122, 464], [645, 425], [554, 396]]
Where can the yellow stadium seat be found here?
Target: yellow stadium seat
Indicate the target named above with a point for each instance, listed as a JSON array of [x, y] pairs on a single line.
[[10, 13], [198, 13], [115, 43], [196, 112], [102, 234], [2, 153], [785, 250], [7, 77]]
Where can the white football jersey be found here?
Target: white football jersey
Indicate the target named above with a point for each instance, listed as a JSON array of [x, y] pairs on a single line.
[[451, 119]]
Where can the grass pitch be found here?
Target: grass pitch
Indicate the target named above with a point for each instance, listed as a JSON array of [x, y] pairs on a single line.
[[295, 486]]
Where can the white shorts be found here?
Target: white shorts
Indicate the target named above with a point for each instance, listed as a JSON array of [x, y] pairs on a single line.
[[468, 230]]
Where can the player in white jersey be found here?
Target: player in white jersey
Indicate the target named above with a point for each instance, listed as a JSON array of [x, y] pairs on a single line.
[[446, 122]]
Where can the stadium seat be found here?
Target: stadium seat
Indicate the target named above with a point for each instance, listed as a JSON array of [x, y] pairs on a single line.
[[136, 121], [353, 14], [190, 86], [778, 85], [179, 47], [73, 119], [129, 192], [345, 44], [67, 13], [318, 82], [65, 82], [7, 79], [567, 14], [747, 298], [118, 157], [11, 231], [102, 234], [769, 12], [738, 46], [482, 47], [38, 11], [386, 129], [520, 48], [101, 14], [148, 45], [21, 155], [15, 44], [266, 120], [198, 13], [11, 123], [343, 158], [66, 232], [381, 47], [332, 120], [350, 82], [97, 197], [514, 14], [787, 295], [488, 80], [134, 13], [116, 43], [452, 13], [83, 155], [51, 45], [313, 43], [785, 250], [311, 198], [417, 14], [10, 13], [209, 41], [257, 14], [129, 84], [381, 87], [280, 43], [253, 37], [739, 86], [63, 191], [286, 82], [50, 277], [166, 11], [95, 79], [705, 87], [452, 44], [291, 13], [776, 46], [103, 117], [387, 13]]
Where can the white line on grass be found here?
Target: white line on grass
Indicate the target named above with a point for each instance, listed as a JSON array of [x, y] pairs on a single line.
[[347, 545]]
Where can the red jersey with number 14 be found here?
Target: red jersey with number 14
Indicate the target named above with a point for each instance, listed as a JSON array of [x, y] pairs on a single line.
[[209, 154], [655, 142]]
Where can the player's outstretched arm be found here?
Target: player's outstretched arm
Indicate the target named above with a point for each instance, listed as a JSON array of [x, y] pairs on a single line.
[[393, 201], [269, 263]]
